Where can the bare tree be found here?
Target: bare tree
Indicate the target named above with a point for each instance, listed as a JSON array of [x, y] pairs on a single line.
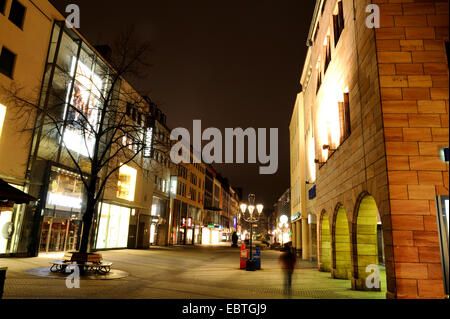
[[97, 122]]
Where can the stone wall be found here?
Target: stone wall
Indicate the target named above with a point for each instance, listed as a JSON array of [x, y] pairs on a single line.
[[414, 90]]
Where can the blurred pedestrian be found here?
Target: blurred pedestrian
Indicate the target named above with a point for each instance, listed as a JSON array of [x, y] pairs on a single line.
[[287, 261]]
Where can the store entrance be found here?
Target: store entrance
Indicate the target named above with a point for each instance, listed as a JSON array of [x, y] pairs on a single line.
[[59, 234]]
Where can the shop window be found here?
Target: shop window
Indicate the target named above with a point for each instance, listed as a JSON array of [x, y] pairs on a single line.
[[127, 183], [338, 23], [2, 6], [344, 118], [7, 61], [17, 13]]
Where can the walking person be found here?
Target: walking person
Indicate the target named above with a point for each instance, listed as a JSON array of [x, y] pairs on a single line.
[[288, 260]]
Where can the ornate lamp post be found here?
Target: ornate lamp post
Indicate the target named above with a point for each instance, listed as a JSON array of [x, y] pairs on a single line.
[[252, 219]]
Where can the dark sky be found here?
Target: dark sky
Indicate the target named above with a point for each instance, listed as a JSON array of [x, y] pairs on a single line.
[[234, 63]]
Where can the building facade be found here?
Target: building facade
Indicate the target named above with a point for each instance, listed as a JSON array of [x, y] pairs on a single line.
[[375, 104], [40, 53]]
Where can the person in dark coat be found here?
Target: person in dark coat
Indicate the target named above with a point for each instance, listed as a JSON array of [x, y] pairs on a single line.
[[288, 260], [234, 239]]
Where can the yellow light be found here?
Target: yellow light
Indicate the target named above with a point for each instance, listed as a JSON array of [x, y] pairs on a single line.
[[130, 185], [2, 117], [251, 208], [243, 208]]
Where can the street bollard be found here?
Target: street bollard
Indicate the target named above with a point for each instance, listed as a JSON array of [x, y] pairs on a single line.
[[257, 258], [243, 256], [2, 280]]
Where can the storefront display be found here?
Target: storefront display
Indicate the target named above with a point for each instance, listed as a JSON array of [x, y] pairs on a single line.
[[61, 227], [113, 226]]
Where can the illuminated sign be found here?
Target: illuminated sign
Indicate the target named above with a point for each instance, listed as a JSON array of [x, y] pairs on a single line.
[[64, 201], [234, 222], [148, 142], [295, 216]]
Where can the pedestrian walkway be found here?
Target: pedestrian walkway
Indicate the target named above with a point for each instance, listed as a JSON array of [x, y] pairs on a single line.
[[182, 273]]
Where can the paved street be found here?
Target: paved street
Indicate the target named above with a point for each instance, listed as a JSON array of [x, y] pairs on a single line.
[[180, 272]]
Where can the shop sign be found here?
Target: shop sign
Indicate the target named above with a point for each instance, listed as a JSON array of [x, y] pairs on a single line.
[[234, 222], [295, 217]]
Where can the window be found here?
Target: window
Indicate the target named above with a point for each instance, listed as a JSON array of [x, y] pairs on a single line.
[[17, 13], [319, 80], [128, 111], [323, 7], [338, 23], [447, 50], [344, 118], [327, 53], [2, 117], [7, 61], [127, 183], [2, 6]]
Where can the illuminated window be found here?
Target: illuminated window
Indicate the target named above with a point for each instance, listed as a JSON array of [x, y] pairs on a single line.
[[327, 53], [344, 118], [127, 183], [2, 117], [338, 23]]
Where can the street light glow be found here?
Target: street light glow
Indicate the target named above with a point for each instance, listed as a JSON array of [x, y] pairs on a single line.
[[243, 208], [260, 208], [251, 208]]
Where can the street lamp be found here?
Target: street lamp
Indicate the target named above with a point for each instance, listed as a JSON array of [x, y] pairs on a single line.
[[252, 220]]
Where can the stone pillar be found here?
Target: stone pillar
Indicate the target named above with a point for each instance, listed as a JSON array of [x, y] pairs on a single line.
[[294, 236], [298, 234], [305, 239]]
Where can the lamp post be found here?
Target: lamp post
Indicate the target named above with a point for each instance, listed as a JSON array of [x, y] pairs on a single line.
[[252, 219]]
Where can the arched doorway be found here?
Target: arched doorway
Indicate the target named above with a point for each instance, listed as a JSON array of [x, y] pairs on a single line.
[[369, 247], [342, 247], [325, 243]]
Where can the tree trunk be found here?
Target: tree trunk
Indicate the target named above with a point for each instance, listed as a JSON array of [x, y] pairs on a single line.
[[88, 216]]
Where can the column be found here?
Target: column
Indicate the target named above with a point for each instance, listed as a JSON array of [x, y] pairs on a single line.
[[298, 235], [305, 239]]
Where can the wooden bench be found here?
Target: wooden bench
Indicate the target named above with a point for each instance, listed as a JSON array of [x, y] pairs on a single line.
[[91, 263]]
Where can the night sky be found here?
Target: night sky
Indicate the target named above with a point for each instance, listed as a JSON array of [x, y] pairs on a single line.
[[234, 63]]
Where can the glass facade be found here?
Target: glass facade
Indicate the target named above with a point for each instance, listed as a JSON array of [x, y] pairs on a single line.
[[75, 80], [113, 226]]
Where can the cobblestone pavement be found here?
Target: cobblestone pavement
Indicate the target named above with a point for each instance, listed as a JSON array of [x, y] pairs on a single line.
[[181, 273]]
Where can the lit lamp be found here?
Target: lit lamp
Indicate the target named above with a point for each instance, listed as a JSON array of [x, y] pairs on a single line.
[[251, 265]]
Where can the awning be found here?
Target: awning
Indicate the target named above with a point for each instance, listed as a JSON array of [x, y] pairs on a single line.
[[9, 193]]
